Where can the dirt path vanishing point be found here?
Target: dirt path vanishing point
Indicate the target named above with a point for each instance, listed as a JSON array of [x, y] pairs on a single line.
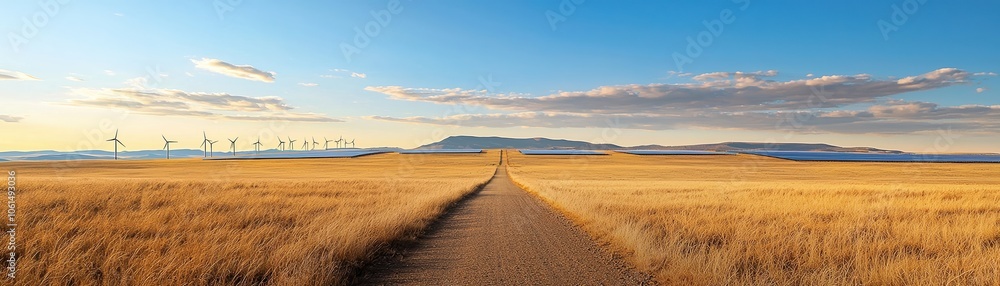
[[503, 236]]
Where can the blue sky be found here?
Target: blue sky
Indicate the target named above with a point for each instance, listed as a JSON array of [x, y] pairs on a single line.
[[440, 68]]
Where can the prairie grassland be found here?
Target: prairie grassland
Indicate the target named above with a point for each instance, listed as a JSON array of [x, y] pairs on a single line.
[[193, 222], [748, 220]]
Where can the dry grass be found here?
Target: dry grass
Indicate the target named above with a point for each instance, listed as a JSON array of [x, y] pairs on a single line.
[[747, 220], [189, 222]]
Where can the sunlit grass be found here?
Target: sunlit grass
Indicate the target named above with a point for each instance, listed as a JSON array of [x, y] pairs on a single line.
[[739, 220], [189, 222]]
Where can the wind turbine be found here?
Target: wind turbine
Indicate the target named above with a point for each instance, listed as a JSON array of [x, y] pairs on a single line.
[[281, 144], [291, 144], [204, 143], [116, 143], [352, 143], [211, 148], [256, 146], [167, 145], [326, 146], [305, 145], [314, 143], [339, 140], [232, 144]]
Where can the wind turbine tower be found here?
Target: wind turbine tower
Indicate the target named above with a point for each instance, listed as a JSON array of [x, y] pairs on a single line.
[[116, 142], [167, 145], [232, 145], [326, 146], [291, 144], [211, 148], [204, 143], [256, 146]]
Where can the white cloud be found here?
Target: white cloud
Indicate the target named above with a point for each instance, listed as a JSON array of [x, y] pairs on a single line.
[[199, 104], [308, 84], [725, 100], [985, 74], [110, 72], [189, 74], [980, 90], [73, 78], [15, 75], [345, 72], [237, 71], [138, 82], [711, 93], [10, 118], [119, 14]]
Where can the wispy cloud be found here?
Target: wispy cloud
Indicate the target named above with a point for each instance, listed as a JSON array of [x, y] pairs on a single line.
[[15, 75], [723, 100], [308, 84], [73, 78], [200, 104], [10, 118], [341, 73], [710, 92], [980, 90], [110, 72], [246, 72]]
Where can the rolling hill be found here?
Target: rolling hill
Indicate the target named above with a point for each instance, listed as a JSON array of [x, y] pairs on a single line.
[[473, 142]]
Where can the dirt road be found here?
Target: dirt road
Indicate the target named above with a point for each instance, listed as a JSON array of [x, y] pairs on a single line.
[[503, 236]]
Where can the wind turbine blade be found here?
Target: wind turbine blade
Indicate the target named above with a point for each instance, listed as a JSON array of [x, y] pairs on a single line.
[[120, 142], [164, 137], [165, 146], [116, 133]]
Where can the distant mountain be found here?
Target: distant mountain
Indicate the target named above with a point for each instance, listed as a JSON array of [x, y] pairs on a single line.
[[473, 142]]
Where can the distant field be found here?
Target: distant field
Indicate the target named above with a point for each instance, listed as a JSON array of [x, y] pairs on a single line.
[[748, 220], [193, 222]]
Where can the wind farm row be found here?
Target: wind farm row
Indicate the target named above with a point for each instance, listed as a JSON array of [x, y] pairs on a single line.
[[208, 145]]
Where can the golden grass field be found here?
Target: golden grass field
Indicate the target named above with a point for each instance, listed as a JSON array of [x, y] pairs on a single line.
[[748, 220], [194, 222]]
